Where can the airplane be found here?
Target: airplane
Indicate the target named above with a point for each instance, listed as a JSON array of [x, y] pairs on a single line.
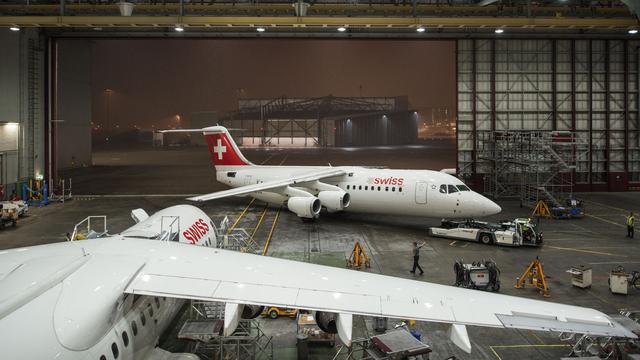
[[306, 189], [111, 297]]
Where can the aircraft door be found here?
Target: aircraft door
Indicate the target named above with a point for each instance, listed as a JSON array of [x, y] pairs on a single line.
[[421, 192]]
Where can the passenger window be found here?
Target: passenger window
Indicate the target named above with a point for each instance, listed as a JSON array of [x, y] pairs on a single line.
[[379, 188], [452, 189], [393, 189], [386, 188], [114, 350], [399, 189], [125, 338], [231, 174], [463, 188], [347, 187], [366, 187], [360, 187], [373, 188], [143, 319], [158, 300], [134, 328], [443, 189]]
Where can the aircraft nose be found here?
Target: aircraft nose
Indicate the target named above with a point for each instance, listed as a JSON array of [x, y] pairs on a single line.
[[487, 207], [493, 208]]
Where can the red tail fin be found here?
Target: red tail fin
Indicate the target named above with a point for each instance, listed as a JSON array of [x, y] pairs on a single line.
[[223, 150]]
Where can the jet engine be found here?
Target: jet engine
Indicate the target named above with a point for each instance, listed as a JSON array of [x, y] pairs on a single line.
[[252, 311], [327, 321], [305, 206], [334, 200]]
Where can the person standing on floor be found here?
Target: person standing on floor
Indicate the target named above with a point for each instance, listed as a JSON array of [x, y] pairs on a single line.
[[630, 225], [416, 257]]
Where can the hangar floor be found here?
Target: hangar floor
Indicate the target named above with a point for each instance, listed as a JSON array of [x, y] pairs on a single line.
[[597, 240]]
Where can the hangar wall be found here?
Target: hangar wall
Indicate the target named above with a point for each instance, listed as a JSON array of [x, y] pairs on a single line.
[[586, 87], [21, 105], [72, 129]]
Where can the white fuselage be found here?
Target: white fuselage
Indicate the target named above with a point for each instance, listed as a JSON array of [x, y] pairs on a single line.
[[373, 190]]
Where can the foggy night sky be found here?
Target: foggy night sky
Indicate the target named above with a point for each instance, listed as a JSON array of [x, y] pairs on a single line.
[[155, 79]]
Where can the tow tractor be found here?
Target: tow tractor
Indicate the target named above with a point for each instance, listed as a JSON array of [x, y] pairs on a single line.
[[518, 232]]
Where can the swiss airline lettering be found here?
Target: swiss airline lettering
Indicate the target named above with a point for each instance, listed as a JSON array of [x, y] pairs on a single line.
[[386, 181], [196, 231]]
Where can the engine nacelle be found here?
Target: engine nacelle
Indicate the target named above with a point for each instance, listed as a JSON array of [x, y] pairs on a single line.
[[251, 311], [334, 200], [305, 206], [327, 321]]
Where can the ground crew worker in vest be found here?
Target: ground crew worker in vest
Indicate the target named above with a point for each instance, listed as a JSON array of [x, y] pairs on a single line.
[[416, 257], [630, 224]]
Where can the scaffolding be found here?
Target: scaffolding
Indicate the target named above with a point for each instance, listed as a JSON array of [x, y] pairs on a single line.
[[206, 320], [531, 165]]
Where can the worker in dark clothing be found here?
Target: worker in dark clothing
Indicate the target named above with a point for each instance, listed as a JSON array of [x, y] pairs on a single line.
[[630, 225], [416, 257]]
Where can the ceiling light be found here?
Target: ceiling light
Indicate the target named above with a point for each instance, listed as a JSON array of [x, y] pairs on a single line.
[[14, 28], [633, 31], [260, 29], [499, 31], [342, 29], [178, 28], [421, 29]]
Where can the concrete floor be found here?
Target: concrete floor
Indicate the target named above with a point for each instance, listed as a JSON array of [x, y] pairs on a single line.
[[597, 240]]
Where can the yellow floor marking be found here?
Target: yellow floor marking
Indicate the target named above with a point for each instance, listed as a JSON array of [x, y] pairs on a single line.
[[259, 222], [605, 220], [453, 242], [537, 337], [608, 206], [273, 226], [285, 159], [267, 159], [492, 348], [584, 251], [242, 214]]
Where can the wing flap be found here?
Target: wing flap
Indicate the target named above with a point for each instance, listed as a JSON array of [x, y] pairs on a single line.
[[174, 286], [521, 321], [325, 300]]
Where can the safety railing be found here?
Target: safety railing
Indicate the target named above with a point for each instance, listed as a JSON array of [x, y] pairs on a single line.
[[91, 227]]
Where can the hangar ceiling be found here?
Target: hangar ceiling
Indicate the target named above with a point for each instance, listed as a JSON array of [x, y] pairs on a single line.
[[395, 18]]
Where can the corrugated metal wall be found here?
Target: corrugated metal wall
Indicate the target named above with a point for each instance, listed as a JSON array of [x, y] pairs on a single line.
[[589, 87]]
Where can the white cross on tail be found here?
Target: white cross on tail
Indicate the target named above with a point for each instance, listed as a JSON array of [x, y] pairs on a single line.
[[219, 149]]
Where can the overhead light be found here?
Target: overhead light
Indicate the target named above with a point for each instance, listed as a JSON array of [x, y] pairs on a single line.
[[97, 28], [178, 28], [342, 29], [14, 28], [260, 29], [421, 29], [499, 31], [633, 31]]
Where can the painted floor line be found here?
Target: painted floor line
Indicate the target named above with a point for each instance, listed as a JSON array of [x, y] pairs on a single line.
[[614, 262], [585, 251], [605, 220]]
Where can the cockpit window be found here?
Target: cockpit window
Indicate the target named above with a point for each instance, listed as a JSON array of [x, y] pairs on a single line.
[[443, 189], [463, 188], [452, 189]]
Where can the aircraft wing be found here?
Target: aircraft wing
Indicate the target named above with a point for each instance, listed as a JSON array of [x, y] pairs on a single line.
[[184, 271], [275, 185]]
